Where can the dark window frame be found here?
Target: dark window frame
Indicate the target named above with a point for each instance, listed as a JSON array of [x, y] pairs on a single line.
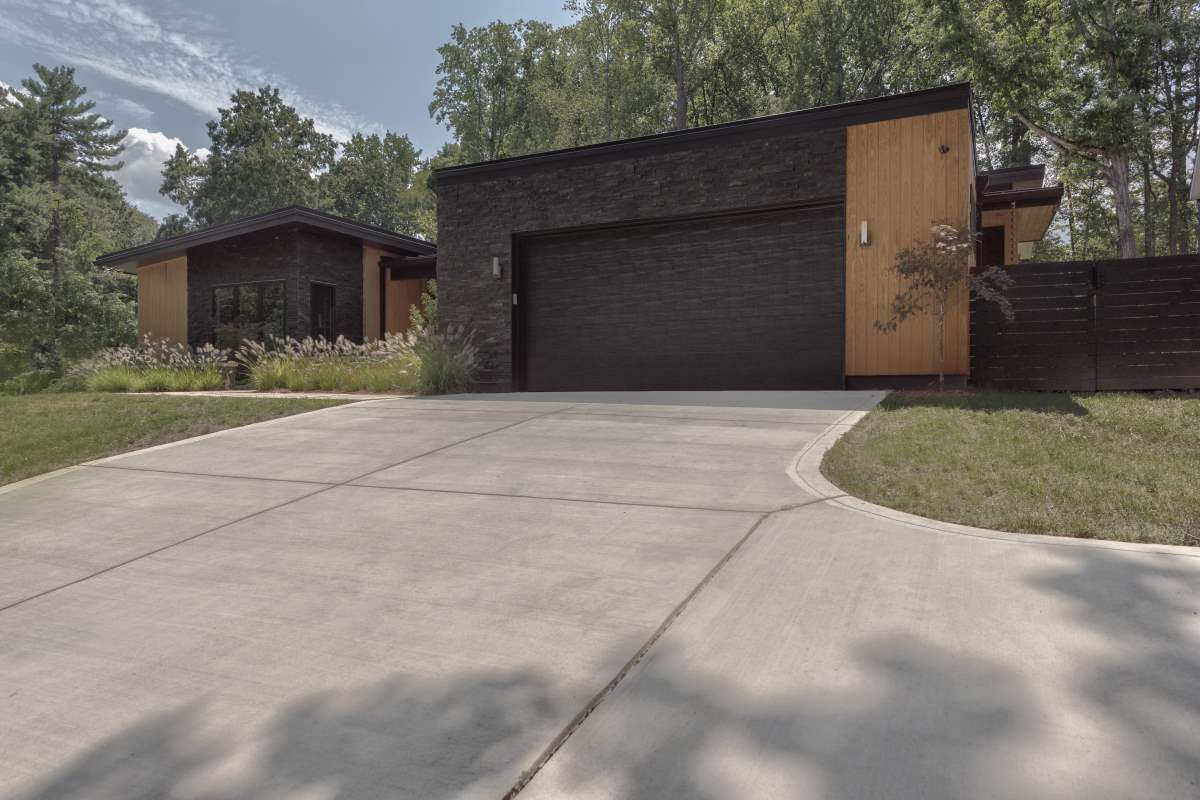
[[312, 316], [260, 323]]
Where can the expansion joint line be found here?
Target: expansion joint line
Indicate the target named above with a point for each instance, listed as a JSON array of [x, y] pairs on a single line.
[[572, 726], [323, 488]]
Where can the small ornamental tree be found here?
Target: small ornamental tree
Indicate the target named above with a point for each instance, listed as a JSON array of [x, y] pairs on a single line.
[[934, 270]]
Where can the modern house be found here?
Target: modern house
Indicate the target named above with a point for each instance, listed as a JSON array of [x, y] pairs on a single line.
[[753, 254], [290, 272]]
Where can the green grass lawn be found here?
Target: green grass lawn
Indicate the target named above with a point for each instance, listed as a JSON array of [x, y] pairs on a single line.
[[42, 432], [1104, 466]]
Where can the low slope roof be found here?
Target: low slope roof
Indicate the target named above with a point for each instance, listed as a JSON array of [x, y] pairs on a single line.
[[873, 109], [289, 215]]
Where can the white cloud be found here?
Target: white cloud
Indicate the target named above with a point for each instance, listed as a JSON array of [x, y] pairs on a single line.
[[141, 175], [173, 56]]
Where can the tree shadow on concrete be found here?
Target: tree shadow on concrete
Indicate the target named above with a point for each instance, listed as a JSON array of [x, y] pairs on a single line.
[[407, 736], [1146, 607], [926, 723], [911, 721]]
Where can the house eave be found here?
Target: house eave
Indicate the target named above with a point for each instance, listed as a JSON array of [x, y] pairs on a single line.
[[130, 258], [926, 101]]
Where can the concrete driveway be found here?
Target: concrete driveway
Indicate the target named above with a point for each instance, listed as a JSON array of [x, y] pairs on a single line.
[[598, 596]]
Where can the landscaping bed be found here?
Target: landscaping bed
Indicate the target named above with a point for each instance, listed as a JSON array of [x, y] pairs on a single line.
[[1122, 466], [43, 432]]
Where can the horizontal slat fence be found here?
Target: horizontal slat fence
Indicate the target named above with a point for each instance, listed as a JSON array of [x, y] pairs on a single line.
[[1093, 325]]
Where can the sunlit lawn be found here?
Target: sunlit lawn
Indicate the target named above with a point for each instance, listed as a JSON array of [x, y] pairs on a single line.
[[42, 432], [1109, 466]]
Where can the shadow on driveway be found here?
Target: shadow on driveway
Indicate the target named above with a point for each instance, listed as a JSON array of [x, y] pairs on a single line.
[[426, 738]]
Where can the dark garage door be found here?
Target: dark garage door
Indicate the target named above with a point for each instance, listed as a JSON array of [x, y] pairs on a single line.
[[750, 301]]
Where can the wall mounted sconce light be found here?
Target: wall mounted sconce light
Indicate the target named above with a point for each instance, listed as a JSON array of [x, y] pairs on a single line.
[[497, 273], [864, 236]]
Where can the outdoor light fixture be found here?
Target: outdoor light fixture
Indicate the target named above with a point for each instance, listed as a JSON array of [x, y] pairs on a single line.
[[496, 267], [864, 237]]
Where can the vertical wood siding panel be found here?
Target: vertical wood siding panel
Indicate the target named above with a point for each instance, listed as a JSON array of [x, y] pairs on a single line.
[[401, 297], [899, 182], [162, 300], [370, 295]]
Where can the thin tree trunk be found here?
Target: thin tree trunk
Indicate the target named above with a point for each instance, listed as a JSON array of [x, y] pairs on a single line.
[[1070, 221], [941, 349], [681, 98], [1172, 216], [1118, 176]]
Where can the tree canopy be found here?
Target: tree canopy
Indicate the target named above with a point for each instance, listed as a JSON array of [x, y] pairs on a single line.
[[59, 210], [262, 155], [1104, 91]]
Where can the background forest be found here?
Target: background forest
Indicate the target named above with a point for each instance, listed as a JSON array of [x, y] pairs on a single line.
[[1103, 91]]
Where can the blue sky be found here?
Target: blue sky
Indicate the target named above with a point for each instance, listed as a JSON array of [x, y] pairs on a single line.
[[160, 68]]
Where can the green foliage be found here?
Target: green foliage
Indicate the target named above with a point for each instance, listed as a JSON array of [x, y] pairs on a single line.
[[423, 316], [375, 180], [486, 90], [262, 155], [39, 434], [31, 382], [1106, 466], [382, 365], [1110, 87], [1103, 83], [446, 361], [153, 366], [59, 210], [932, 271], [425, 361]]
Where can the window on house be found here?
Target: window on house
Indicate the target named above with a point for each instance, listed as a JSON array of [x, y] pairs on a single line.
[[248, 311]]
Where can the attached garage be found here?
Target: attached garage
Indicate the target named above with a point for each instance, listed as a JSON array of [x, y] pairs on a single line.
[[697, 303], [750, 255]]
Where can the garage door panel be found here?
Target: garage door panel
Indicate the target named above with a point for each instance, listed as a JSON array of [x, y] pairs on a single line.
[[749, 301]]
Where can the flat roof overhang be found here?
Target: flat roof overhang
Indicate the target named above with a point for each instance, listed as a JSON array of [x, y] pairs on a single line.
[[406, 268], [1035, 209], [175, 246], [925, 101]]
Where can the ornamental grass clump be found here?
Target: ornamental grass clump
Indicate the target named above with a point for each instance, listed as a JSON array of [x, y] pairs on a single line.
[[154, 365], [306, 365], [446, 360], [423, 361]]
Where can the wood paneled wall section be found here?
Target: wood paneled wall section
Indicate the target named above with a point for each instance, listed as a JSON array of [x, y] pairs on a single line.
[[899, 181], [370, 295], [1008, 220], [162, 300], [401, 297]]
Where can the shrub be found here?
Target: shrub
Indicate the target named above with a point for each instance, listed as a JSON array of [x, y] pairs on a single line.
[[446, 361], [31, 382], [424, 361], [111, 379], [320, 365], [152, 366]]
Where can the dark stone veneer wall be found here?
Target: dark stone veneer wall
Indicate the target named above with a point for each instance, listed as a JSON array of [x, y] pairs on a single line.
[[478, 216], [295, 255]]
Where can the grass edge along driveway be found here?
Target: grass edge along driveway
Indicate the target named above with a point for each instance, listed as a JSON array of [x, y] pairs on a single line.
[[44, 432], [1121, 466]]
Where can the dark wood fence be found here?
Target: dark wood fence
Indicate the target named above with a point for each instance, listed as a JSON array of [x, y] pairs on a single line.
[[1093, 325]]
